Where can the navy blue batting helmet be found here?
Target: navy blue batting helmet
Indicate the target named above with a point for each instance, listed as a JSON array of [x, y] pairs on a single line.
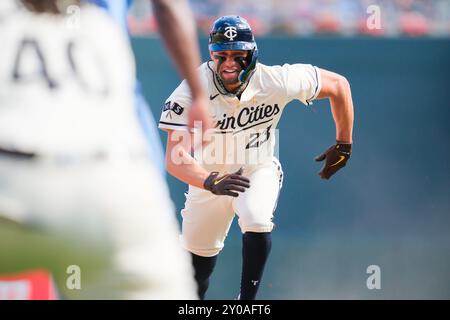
[[231, 33], [234, 33]]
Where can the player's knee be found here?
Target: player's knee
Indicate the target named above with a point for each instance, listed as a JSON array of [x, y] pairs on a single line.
[[201, 249], [210, 252], [255, 226], [254, 217], [255, 220]]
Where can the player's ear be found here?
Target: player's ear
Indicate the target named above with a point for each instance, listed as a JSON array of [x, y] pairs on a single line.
[[211, 55]]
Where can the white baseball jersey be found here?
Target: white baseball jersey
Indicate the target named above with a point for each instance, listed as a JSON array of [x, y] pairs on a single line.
[[245, 128], [58, 78], [244, 136]]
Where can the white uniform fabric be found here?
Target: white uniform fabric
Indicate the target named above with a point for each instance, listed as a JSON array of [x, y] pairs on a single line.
[[245, 137], [67, 96], [76, 81]]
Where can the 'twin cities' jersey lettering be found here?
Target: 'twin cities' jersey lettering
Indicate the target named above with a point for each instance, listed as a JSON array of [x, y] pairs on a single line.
[[248, 116]]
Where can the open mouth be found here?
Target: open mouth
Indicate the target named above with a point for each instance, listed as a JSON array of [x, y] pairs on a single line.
[[230, 74], [229, 71]]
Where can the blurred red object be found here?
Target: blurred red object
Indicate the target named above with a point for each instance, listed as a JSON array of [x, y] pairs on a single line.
[[327, 23], [414, 24], [363, 28], [32, 285], [204, 23], [142, 26], [258, 27]]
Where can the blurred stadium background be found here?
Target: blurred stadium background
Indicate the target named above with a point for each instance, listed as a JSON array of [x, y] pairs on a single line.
[[391, 205], [313, 17]]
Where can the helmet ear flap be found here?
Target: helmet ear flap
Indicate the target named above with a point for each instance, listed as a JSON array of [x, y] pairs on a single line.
[[251, 59]]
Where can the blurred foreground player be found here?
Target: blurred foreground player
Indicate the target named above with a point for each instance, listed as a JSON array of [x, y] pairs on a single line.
[[79, 196]]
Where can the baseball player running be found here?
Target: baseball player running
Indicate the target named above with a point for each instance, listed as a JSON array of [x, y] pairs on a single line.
[[78, 189], [237, 173]]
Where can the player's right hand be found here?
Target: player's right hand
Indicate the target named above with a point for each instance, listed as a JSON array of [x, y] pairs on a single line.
[[227, 184]]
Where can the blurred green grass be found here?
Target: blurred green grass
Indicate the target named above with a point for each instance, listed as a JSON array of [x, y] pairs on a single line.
[[24, 249]]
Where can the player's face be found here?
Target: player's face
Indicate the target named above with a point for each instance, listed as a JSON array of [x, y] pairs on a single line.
[[227, 65]]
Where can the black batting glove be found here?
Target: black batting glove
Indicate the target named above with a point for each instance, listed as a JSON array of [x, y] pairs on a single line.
[[228, 184], [335, 158]]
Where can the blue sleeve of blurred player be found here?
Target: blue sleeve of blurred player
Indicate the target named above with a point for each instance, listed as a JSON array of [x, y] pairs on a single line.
[[118, 10]]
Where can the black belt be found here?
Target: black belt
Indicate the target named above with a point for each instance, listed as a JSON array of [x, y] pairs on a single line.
[[17, 154], [62, 158]]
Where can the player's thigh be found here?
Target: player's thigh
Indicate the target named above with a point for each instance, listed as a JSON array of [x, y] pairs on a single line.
[[206, 222], [255, 207]]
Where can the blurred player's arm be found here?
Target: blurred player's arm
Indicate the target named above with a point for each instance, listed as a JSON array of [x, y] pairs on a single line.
[[177, 27], [184, 167], [337, 89]]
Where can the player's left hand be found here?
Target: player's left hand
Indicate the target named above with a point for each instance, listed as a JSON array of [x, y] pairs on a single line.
[[335, 158]]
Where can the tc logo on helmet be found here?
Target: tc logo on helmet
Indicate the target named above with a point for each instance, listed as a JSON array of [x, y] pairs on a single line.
[[230, 33]]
